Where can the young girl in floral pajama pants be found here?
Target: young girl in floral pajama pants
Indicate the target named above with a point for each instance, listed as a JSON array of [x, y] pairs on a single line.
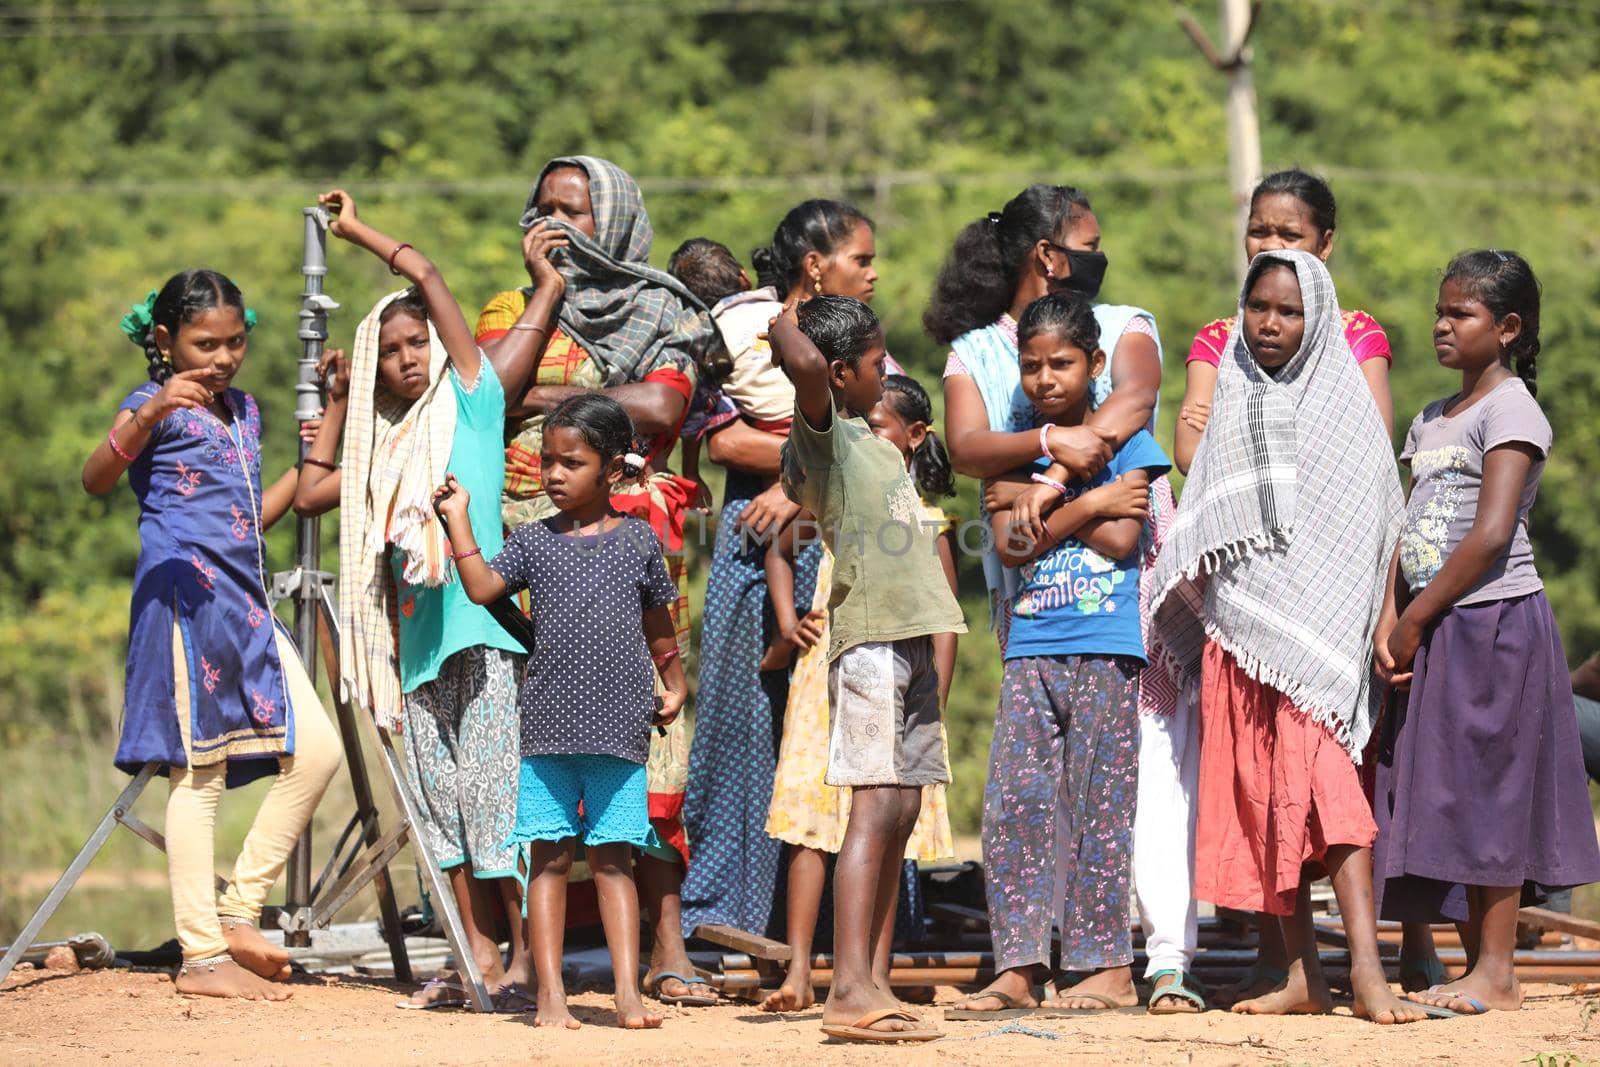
[[1063, 766]]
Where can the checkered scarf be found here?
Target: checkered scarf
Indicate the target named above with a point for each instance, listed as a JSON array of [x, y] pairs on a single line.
[[628, 316], [1286, 526], [395, 455]]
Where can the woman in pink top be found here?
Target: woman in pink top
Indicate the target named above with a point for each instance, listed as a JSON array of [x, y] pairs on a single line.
[[1289, 209], [1293, 209]]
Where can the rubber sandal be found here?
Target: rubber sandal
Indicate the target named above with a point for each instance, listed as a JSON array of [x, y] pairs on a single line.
[[687, 1000], [1012, 1009], [1185, 988], [1440, 1011], [861, 1030], [512, 999], [457, 997], [1420, 976], [1110, 1007]]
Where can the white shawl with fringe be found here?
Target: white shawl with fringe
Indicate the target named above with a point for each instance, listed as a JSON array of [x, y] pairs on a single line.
[[1286, 524], [395, 455]]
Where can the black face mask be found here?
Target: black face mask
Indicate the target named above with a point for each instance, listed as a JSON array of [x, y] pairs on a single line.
[[1088, 272]]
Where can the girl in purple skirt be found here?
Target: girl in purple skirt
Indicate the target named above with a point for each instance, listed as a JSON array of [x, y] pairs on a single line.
[[1482, 804]]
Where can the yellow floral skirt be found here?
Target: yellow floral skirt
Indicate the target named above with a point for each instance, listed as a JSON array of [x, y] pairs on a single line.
[[807, 812]]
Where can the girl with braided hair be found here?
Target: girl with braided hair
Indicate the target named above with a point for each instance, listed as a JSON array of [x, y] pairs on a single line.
[[215, 692], [1481, 798]]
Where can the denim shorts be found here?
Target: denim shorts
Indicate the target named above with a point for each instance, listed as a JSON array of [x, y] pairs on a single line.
[[615, 806]]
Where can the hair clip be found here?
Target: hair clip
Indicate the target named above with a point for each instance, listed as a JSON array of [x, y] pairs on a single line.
[[633, 462], [994, 218]]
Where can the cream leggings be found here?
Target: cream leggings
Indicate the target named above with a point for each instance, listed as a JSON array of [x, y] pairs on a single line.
[[287, 809]]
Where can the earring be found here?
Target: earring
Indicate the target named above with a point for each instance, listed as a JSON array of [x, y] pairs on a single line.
[[816, 283]]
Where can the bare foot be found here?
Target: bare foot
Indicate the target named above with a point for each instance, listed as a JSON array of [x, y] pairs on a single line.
[[1296, 995], [795, 994], [1488, 994], [917, 994], [1115, 984], [255, 953], [633, 1015], [1260, 979], [225, 978], [553, 1011]]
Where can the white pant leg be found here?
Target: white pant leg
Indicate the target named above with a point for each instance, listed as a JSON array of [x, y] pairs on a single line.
[[1163, 836]]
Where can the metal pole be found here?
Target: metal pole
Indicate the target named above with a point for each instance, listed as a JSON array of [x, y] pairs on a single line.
[[314, 309], [1244, 128]]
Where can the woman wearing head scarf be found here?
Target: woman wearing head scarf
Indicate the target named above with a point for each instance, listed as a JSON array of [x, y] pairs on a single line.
[[635, 333], [1265, 598]]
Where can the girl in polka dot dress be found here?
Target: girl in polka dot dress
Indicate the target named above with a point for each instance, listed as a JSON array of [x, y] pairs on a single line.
[[599, 593]]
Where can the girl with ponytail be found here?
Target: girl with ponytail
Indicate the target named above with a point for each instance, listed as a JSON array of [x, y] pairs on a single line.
[[215, 694], [1479, 764]]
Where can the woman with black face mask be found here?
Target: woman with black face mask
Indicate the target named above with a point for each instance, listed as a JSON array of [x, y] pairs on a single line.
[[1047, 240]]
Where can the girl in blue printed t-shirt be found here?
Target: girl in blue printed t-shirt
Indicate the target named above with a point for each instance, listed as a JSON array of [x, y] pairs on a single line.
[[1067, 729]]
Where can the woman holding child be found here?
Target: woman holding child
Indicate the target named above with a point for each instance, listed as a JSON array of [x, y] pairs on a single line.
[[821, 248], [1047, 241], [633, 333]]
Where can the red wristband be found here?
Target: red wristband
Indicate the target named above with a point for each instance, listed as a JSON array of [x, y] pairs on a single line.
[[401, 247], [458, 556], [111, 439]]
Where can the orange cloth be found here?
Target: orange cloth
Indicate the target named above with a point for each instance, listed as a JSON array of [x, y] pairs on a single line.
[[1276, 790]]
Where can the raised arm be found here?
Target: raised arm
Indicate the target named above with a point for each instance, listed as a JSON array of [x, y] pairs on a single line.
[[806, 367], [654, 407], [320, 479], [478, 580], [515, 356], [443, 311]]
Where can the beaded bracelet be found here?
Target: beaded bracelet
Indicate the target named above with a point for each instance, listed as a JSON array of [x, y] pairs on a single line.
[[324, 464], [1045, 479], [111, 439], [459, 556], [1044, 441], [401, 247]]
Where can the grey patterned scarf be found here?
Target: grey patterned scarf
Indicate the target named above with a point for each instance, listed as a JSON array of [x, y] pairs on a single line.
[[1286, 525], [629, 316]]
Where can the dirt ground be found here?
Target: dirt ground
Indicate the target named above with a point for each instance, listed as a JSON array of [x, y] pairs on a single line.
[[120, 1016]]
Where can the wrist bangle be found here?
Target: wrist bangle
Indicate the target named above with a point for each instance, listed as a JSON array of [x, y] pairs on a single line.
[[111, 439], [324, 464], [459, 556], [1045, 479], [1044, 441], [665, 658], [530, 327], [401, 247]]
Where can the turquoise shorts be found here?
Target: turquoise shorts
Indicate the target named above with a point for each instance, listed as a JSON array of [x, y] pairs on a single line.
[[611, 790]]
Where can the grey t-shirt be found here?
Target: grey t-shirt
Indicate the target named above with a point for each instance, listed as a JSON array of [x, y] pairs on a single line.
[[590, 686], [1446, 456]]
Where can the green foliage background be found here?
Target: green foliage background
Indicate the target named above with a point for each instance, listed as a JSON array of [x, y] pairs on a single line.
[[135, 145]]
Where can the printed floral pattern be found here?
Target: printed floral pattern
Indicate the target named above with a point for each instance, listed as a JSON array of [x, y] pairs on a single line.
[[1426, 535], [1063, 770]]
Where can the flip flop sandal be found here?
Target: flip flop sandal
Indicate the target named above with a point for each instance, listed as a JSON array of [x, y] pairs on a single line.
[[1111, 1007], [1186, 988], [512, 999], [687, 1000], [1439, 1011], [456, 996], [861, 1030], [1011, 1010]]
